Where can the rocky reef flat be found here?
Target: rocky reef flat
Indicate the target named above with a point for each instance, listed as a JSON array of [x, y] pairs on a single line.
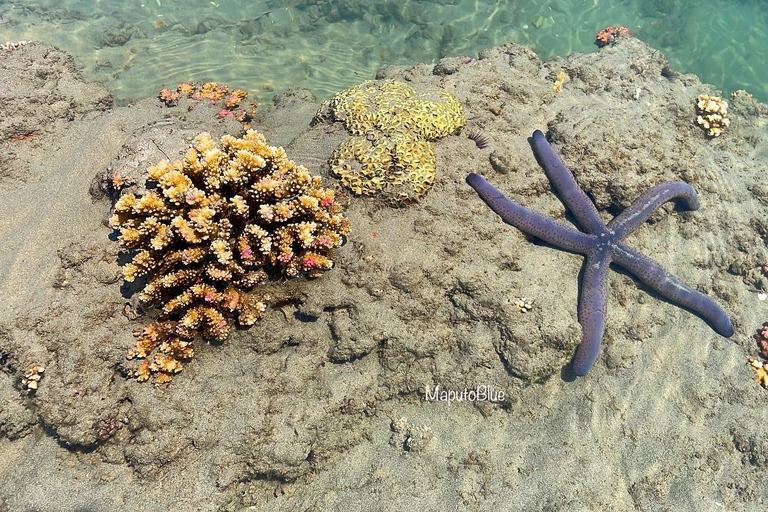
[[330, 401]]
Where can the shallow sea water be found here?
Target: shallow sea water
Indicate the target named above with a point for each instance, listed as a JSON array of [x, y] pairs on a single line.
[[137, 47]]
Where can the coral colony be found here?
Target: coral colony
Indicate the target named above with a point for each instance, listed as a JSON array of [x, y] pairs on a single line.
[[216, 223], [609, 35], [390, 155], [711, 114], [602, 244], [214, 92]]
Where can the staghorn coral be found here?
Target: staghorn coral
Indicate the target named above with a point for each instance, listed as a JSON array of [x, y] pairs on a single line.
[[390, 154], [217, 221], [711, 114]]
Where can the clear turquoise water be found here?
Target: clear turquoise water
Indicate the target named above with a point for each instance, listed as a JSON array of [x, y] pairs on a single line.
[[137, 47]]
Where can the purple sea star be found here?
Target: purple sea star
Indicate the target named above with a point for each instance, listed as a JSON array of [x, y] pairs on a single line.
[[602, 245]]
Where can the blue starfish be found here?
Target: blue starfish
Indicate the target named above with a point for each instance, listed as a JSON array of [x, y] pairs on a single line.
[[602, 244]]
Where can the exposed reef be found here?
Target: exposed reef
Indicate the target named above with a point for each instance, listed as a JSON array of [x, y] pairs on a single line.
[[41, 85], [300, 410], [217, 221]]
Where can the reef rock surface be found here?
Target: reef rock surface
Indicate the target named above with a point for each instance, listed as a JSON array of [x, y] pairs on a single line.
[[321, 405]]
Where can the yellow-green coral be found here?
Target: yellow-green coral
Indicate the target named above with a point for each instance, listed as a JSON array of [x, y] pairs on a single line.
[[390, 155], [396, 166], [216, 221]]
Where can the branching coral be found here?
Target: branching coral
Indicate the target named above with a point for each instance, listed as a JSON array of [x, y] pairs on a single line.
[[217, 221], [214, 92], [609, 34], [711, 114], [391, 154]]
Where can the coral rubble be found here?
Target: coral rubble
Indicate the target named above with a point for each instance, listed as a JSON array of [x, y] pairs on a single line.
[[711, 114], [13, 45], [761, 371], [761, 365], [218, 220], [609, 34], [390, 153], [32, 378]]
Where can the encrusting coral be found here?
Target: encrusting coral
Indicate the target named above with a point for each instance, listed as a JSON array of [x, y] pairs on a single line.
[[216, 222], [711, 114], [391, 153]]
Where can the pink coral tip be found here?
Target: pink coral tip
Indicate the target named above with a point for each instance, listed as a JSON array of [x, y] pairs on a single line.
[[324, 241], [309, 262]]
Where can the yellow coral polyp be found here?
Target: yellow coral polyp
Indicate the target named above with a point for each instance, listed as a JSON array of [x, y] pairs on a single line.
[[150, 204], [222, 251], [203, 238], [157, 171], [241, 205], [175, 185], [213, 157], [162, 238], [308, 202], [130, 272], [186, 230], [204, 142], [283, 212], [391, 154], [248, 161], [125, 204], [130, 236], [166, 363]]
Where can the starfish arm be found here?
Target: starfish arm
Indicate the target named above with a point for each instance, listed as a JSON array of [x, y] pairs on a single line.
[[671, 288], [644, 206], [592, 310], [564, 183], [528, 221]]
